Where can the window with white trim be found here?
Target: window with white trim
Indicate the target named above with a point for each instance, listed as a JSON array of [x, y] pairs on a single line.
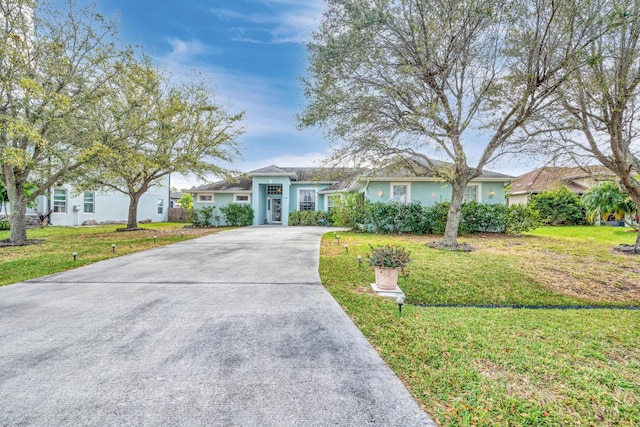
[[205, 197], [307, 199], [241, 198], [60, 200], [89, 202], [470, 193], [400, 193], [160, 206]]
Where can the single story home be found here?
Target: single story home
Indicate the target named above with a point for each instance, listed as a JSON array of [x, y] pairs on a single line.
[[576, 179], [273, 191], [73, 208]]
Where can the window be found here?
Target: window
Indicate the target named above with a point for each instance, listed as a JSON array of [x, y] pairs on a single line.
[[60, 200], [274, 189], [241, 198], [89, 202], [160, 206], [400, 193], [470, 193], [307, 199], [205, 197]]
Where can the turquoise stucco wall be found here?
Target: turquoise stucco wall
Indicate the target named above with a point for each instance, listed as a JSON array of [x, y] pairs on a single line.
[[219, 200], [430, 193], [259, 188]]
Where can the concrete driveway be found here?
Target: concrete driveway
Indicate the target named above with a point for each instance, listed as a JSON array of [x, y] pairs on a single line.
[[228, 329]]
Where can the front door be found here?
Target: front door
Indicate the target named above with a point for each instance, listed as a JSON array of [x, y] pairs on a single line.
[[274, 210]]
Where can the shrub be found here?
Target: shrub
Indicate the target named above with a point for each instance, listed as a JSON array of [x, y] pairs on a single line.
[[437, 218], [5, 225], [521, 218], [207, 214], [559, 206], [483, 218], [239, 215], [309, 218], [388, 256], [349, 211]]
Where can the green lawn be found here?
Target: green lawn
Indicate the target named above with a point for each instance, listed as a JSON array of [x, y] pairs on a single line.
[[91, 244], [505, 366]]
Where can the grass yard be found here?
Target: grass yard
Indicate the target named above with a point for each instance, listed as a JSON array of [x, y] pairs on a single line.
[[91, 243], [505, 366]]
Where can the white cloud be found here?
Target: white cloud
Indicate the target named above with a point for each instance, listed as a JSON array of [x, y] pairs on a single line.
[[281, 21], [184, 51]]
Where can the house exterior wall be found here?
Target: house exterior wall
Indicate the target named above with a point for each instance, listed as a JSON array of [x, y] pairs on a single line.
[[429, 193], [259, 204], [107, 206], [518, 199]]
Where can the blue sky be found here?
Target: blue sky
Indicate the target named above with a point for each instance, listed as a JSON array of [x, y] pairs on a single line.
[[254, 52]]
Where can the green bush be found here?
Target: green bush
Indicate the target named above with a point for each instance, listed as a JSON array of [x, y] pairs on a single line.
[[521, 218], [349, 211], [559, 207], [239, 215], [476, 218], [5, 225], [309, 218]]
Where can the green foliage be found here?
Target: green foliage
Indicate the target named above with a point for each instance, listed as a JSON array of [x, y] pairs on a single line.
[[186, 201], [606, 199], [349, 211], [388, 256], [236, 214], [309, 218], [476, 218], [558, 207], [520, 219], [5, 225], [205, 216]]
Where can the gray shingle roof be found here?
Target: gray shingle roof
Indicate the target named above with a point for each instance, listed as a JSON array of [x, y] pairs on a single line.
[[240, 184]]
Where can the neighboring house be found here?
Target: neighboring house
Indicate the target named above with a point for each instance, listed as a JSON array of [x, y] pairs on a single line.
[[174, 199], [576, 179], [273, 192], [71, 208]]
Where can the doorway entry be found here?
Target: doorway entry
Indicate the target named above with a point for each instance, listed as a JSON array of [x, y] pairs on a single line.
[[274, 211]]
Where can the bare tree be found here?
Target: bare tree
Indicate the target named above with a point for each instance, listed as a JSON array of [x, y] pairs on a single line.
[[603, 99], [459, 79]]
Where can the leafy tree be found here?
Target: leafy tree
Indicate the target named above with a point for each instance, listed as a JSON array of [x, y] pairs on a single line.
[[55, 66], [186, 201], [152, 128], [558, 206], [605, 200], [393, 77], [603, 99]]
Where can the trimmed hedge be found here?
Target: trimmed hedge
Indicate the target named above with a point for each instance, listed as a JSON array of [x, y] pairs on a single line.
[[309, 218], [413, 218]]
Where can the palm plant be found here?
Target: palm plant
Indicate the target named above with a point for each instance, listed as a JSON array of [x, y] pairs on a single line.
[[605, 200]]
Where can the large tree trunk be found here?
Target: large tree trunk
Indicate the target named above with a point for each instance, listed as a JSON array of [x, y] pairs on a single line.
[[454, 216], [132, 220], [17, 218]]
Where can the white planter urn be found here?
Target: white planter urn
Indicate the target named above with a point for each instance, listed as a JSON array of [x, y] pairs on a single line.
[[386, 278]]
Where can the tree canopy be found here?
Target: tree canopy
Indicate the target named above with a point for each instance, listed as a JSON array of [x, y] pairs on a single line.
[[55, 68], [456, 79], [151, 128]]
